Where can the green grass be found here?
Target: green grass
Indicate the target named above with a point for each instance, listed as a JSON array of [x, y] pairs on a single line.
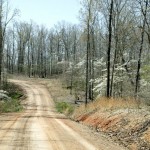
[[64, 107], [13, 105]]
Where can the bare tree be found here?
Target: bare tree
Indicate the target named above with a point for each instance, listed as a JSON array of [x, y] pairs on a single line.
[[109, 48], [4, 21], [144, 9]]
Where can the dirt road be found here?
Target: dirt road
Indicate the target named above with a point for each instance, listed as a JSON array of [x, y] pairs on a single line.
[[40, 127]]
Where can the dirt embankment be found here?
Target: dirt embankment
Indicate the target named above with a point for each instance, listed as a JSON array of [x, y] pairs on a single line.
[[129, 127]]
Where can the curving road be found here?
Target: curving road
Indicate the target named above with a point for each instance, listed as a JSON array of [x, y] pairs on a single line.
[[40, 127]]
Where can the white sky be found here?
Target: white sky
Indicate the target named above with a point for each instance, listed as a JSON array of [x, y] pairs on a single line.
[[47, 12]]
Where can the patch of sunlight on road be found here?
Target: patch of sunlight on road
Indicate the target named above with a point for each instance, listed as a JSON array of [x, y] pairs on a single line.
[[39, 140], [82, 141]]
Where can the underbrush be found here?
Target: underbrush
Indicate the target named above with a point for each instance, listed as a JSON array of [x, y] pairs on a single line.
[[64, 107], [13, 105]]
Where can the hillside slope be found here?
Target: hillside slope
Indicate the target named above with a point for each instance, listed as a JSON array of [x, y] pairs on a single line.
[[126, 124]]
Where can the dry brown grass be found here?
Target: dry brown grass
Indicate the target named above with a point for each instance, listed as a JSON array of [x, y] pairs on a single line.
[[58, 92], [55, 86], [117, 103], [104, 104]]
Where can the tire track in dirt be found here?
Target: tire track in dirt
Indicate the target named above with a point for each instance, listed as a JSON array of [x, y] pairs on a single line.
[[22, 138], [36, 126], [46, 120], [6, 129]]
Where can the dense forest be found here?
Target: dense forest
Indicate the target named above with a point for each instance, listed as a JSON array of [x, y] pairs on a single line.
[[107, 54]]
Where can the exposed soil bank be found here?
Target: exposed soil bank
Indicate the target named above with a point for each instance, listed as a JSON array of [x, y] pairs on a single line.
[[129, 127]]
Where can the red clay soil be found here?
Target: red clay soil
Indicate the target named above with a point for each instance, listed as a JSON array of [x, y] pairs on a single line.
[[101, 121], [130, 129]]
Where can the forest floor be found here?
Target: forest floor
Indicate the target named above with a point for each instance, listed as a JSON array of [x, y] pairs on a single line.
[[40, 127]]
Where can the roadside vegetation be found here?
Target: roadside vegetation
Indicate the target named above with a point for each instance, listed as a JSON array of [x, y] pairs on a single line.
[[65, 108], [14, 103], [105, 104]]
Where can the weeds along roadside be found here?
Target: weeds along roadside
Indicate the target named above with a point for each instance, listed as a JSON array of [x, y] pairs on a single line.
[[16, 94]]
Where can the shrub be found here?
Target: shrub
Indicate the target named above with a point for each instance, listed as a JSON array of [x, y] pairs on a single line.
[[13, 105], [64, 107]]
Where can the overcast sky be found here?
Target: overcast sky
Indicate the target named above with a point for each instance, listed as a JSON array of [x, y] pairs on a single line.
[[47, 12]]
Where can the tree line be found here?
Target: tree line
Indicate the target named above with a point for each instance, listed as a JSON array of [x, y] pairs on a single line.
[[107, 54]]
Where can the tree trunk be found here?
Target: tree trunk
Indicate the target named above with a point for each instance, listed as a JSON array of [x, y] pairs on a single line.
[[137, 85], [1, 44], [87, 63], [109, 50], [29, 63], [93, 56]]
